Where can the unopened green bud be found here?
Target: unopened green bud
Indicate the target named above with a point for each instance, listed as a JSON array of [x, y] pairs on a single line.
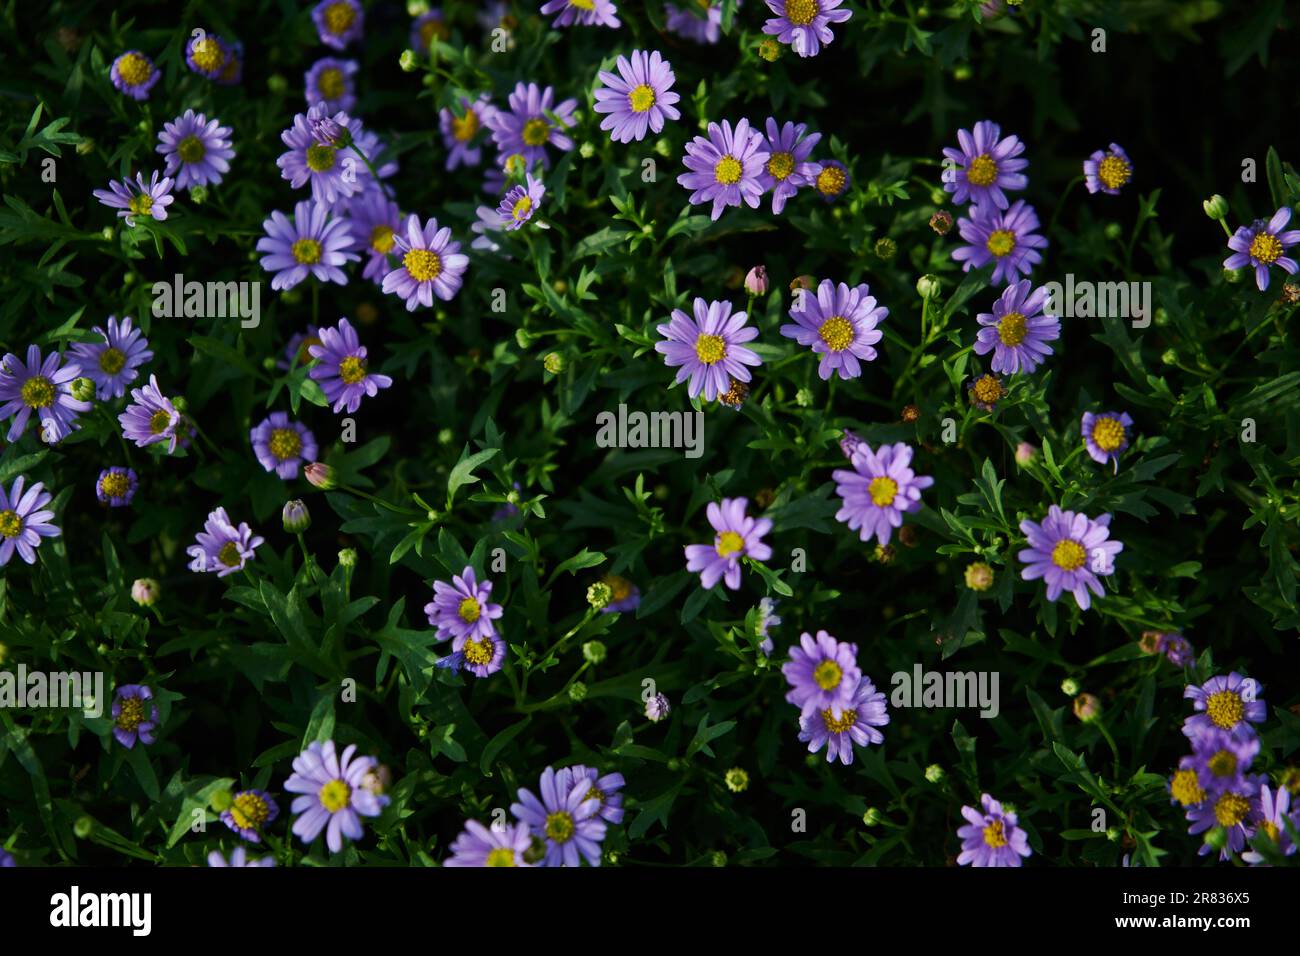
[[594, 652], [83, 827], [737, 780], [348, 558], [928, 287], [198, 194], [1233, 276], [1069, 687], [934, 773], [553, 363], [872, 817], [1113, 231], [599, 595], [86, 147], [587, 150], [277, 84], [577, 691], [886, 248], [296, 517], [962, 72], [1216, 207], [83, 389], [409, 61], [718, 858]]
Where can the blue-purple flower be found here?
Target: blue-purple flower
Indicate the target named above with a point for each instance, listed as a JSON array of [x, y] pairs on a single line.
[[881, 488], [1017, 330], [767, 619], [726, 168], [432, 264], [24, 520], [1221, 759], [708, 348], [565, 817], [699, 21], [1262, 244], [196, 150], [839, 324], [461, 610], [855, 724], [605, 789], [984, 166], [374, 220], [639, 99], [313, 157], [460, 132], [1107, 170], [587, 13], [520, 204], [1069, 551], [532, 121], [250, 811], [151, 418], [134, 74], [1176, 648], [116, 486], [1271, 816], [329, 84], [282, 445], [221, 548], [338, 22], [1230, 703], [1229, 810], [788, 168], [40, 388], [1106, 436], [238, 857], [823, 674], [624, 595], [991, 837], [737, 536], [334, 794], [298, 349], [1004, 237], [804, 25], [478, 845], [342, 369], [206, 55], [833, 181], [138, 198], [313, 243], [135, 715]]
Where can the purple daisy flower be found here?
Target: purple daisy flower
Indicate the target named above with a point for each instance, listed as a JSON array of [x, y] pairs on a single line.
[[984, 166], [338, 22], [342, 368], [823, 674], [1107, 172], [481, 656], [587, 13], [804, 25], [1273, 809], [460, 133], [879, 490], [1221, 759], [839, 324], [767, 619], [1069, 550], [24, 520], [639, 99], [112, 363], [137, 198], [520, 204], [313, 157], [250, 812], [738, 536], [427, 27], [1230, 810], [788, 168], [196, 150], [220, 547], [1230, 703], [565, 817], [624, 595], [374, 220], [281, 445], [313, 243], [726, 168], [134, 74], [1261, 245], [1003, 237], [329, 84], [334, 796], [298, 350], [1106, 436], [206, 55], [233, 71], [1176, 648], [855, 724], [531, 123], [151, 418], [991, 838], [708, 348], [116, 486], [701, 21], [1017, 330], [432, 264], [478, 845], [833, 181], [239, 858], [135, 715], [461, 609], [41, 387], [850, 442], [604, 789]]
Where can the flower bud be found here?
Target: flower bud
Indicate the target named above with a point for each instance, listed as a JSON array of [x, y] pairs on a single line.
[[657, 708], [941, 222], [86, 147], [1113, 231], [145, 592], [886, 248], [83, 827], [198, 194], [756, 281], [577, 691], [599, 595], [348, 558], [737, 780], [553, 363], [296, 517], [769, 50], [872, 817], [1087, 707], [962, 72], [934, 773], [83, 389], [587, 150], [1025, 453], [277, 84], [928, 286], [409, 61], [979, 576], [718, 858], [593, 652], [1216, 207], [321, 476], [1069, 687]]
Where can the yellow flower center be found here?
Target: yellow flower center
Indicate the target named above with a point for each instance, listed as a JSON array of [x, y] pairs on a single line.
[[994, 835], [559, 826], [1225, 709], [191, 149], [1265, 248], [1113, 172], [1001, 242], [1186, 789], [583, 4], [320, 157], [501, 856], [37, 392], [207, 55], [249, 811], [141, 204], [229, 555], [111, 361], [979, 576], [641, 98], [515, 165], [306, 252], [160, 421], [1230, 809], [800, 12], [841, 725], [1108, 434], [521, 209], [1068, 555], [469, 610], [830, 181], [131, 715], [330, 83], [882, 491], [10, 523], [424, 265], [285, 443], [728, 170], [479, 652], [464, 127], [114, 485], [381, 239], [1222, 764], [827, 675], [729, 543], [781, 165], [536, 131], [710, 349], [988, 390], [352, 370], [335, 795], [837, 333], [338, 17], [982, 170], [134, 69], [1012, 328]]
